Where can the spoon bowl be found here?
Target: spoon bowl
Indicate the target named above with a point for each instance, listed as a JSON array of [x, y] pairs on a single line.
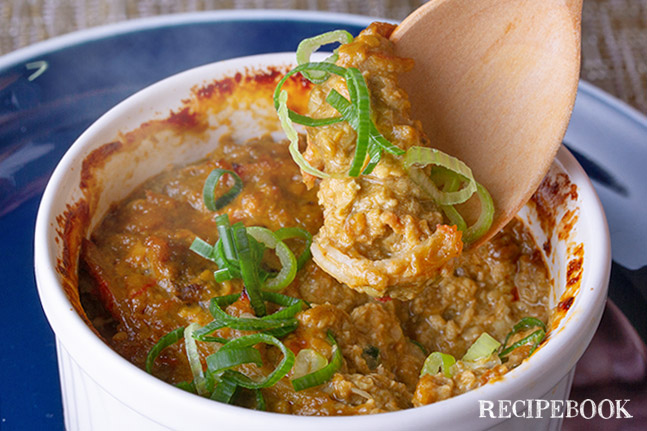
[[494, 85]]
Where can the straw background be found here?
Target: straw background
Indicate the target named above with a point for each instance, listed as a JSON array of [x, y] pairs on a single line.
[[614, 39]]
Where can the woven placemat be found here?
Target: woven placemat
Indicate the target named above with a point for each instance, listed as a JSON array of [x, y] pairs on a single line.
[[614, 32]]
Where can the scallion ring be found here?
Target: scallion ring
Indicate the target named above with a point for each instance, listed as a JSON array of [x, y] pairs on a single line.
[[202, 248], [417, 157], [348, 111], [308, 361], [308, 46], [324, 374], [286, 257], [225, 359], [536, 337], [302, 119], [225, 389], [278, 324], [360, 99], [450, 182], [226, 238], [483, 223], [260, 400], [248, 269], [293, 137], [210, 184], [533, 339], [194, 359], [436, 362], [296, 232], [164, 342], [277, 374], [482, 348]]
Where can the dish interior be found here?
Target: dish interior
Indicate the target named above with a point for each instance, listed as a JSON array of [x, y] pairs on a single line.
[[179, 120]]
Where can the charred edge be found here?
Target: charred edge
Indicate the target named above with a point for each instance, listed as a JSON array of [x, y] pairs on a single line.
[[549, 197], [224, 86], [95, 159], [565, 304], [185, 119], [574, 270], [72, 224], [269, 77], [567, 224]]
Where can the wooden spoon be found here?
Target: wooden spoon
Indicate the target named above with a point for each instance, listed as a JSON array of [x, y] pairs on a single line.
[[494, 85]]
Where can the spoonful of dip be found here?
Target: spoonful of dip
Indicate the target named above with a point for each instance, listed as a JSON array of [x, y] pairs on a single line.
[[399, 202], [494, 85]]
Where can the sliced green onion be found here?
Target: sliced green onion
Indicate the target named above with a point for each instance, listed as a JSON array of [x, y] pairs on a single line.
[[296, 232], [423, 156], [260, 400], [194, 359], [202, 334], [535, 338], [280, 299], [272, 322], [455, 218], [289, 327], [286, 257], [310, 45], [225, 359], [324, 374], [302, 119], [202, 248], [279, 372], [349, 114], [308, 361], [436, 362], [374, 156], [223, 274], [486, 216], [356, 113], [248, 270], [482, 348], [362, 101], [226, 237], [210, 184], [451, 182], [164, 342], [292, 305], [225, 389], [256, 324], [525, 323], [292, 135], [377, 142], [225, 300], [343, 106], [384, 143], [210, 339]]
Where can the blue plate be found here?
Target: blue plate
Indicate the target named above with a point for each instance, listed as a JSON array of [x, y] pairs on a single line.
[[51, 92]]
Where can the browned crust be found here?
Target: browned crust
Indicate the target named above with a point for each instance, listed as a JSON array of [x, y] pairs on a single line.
[[551, 197], [191, 118]]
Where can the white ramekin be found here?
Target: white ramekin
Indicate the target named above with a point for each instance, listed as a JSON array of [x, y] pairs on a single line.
[[103, 391]]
